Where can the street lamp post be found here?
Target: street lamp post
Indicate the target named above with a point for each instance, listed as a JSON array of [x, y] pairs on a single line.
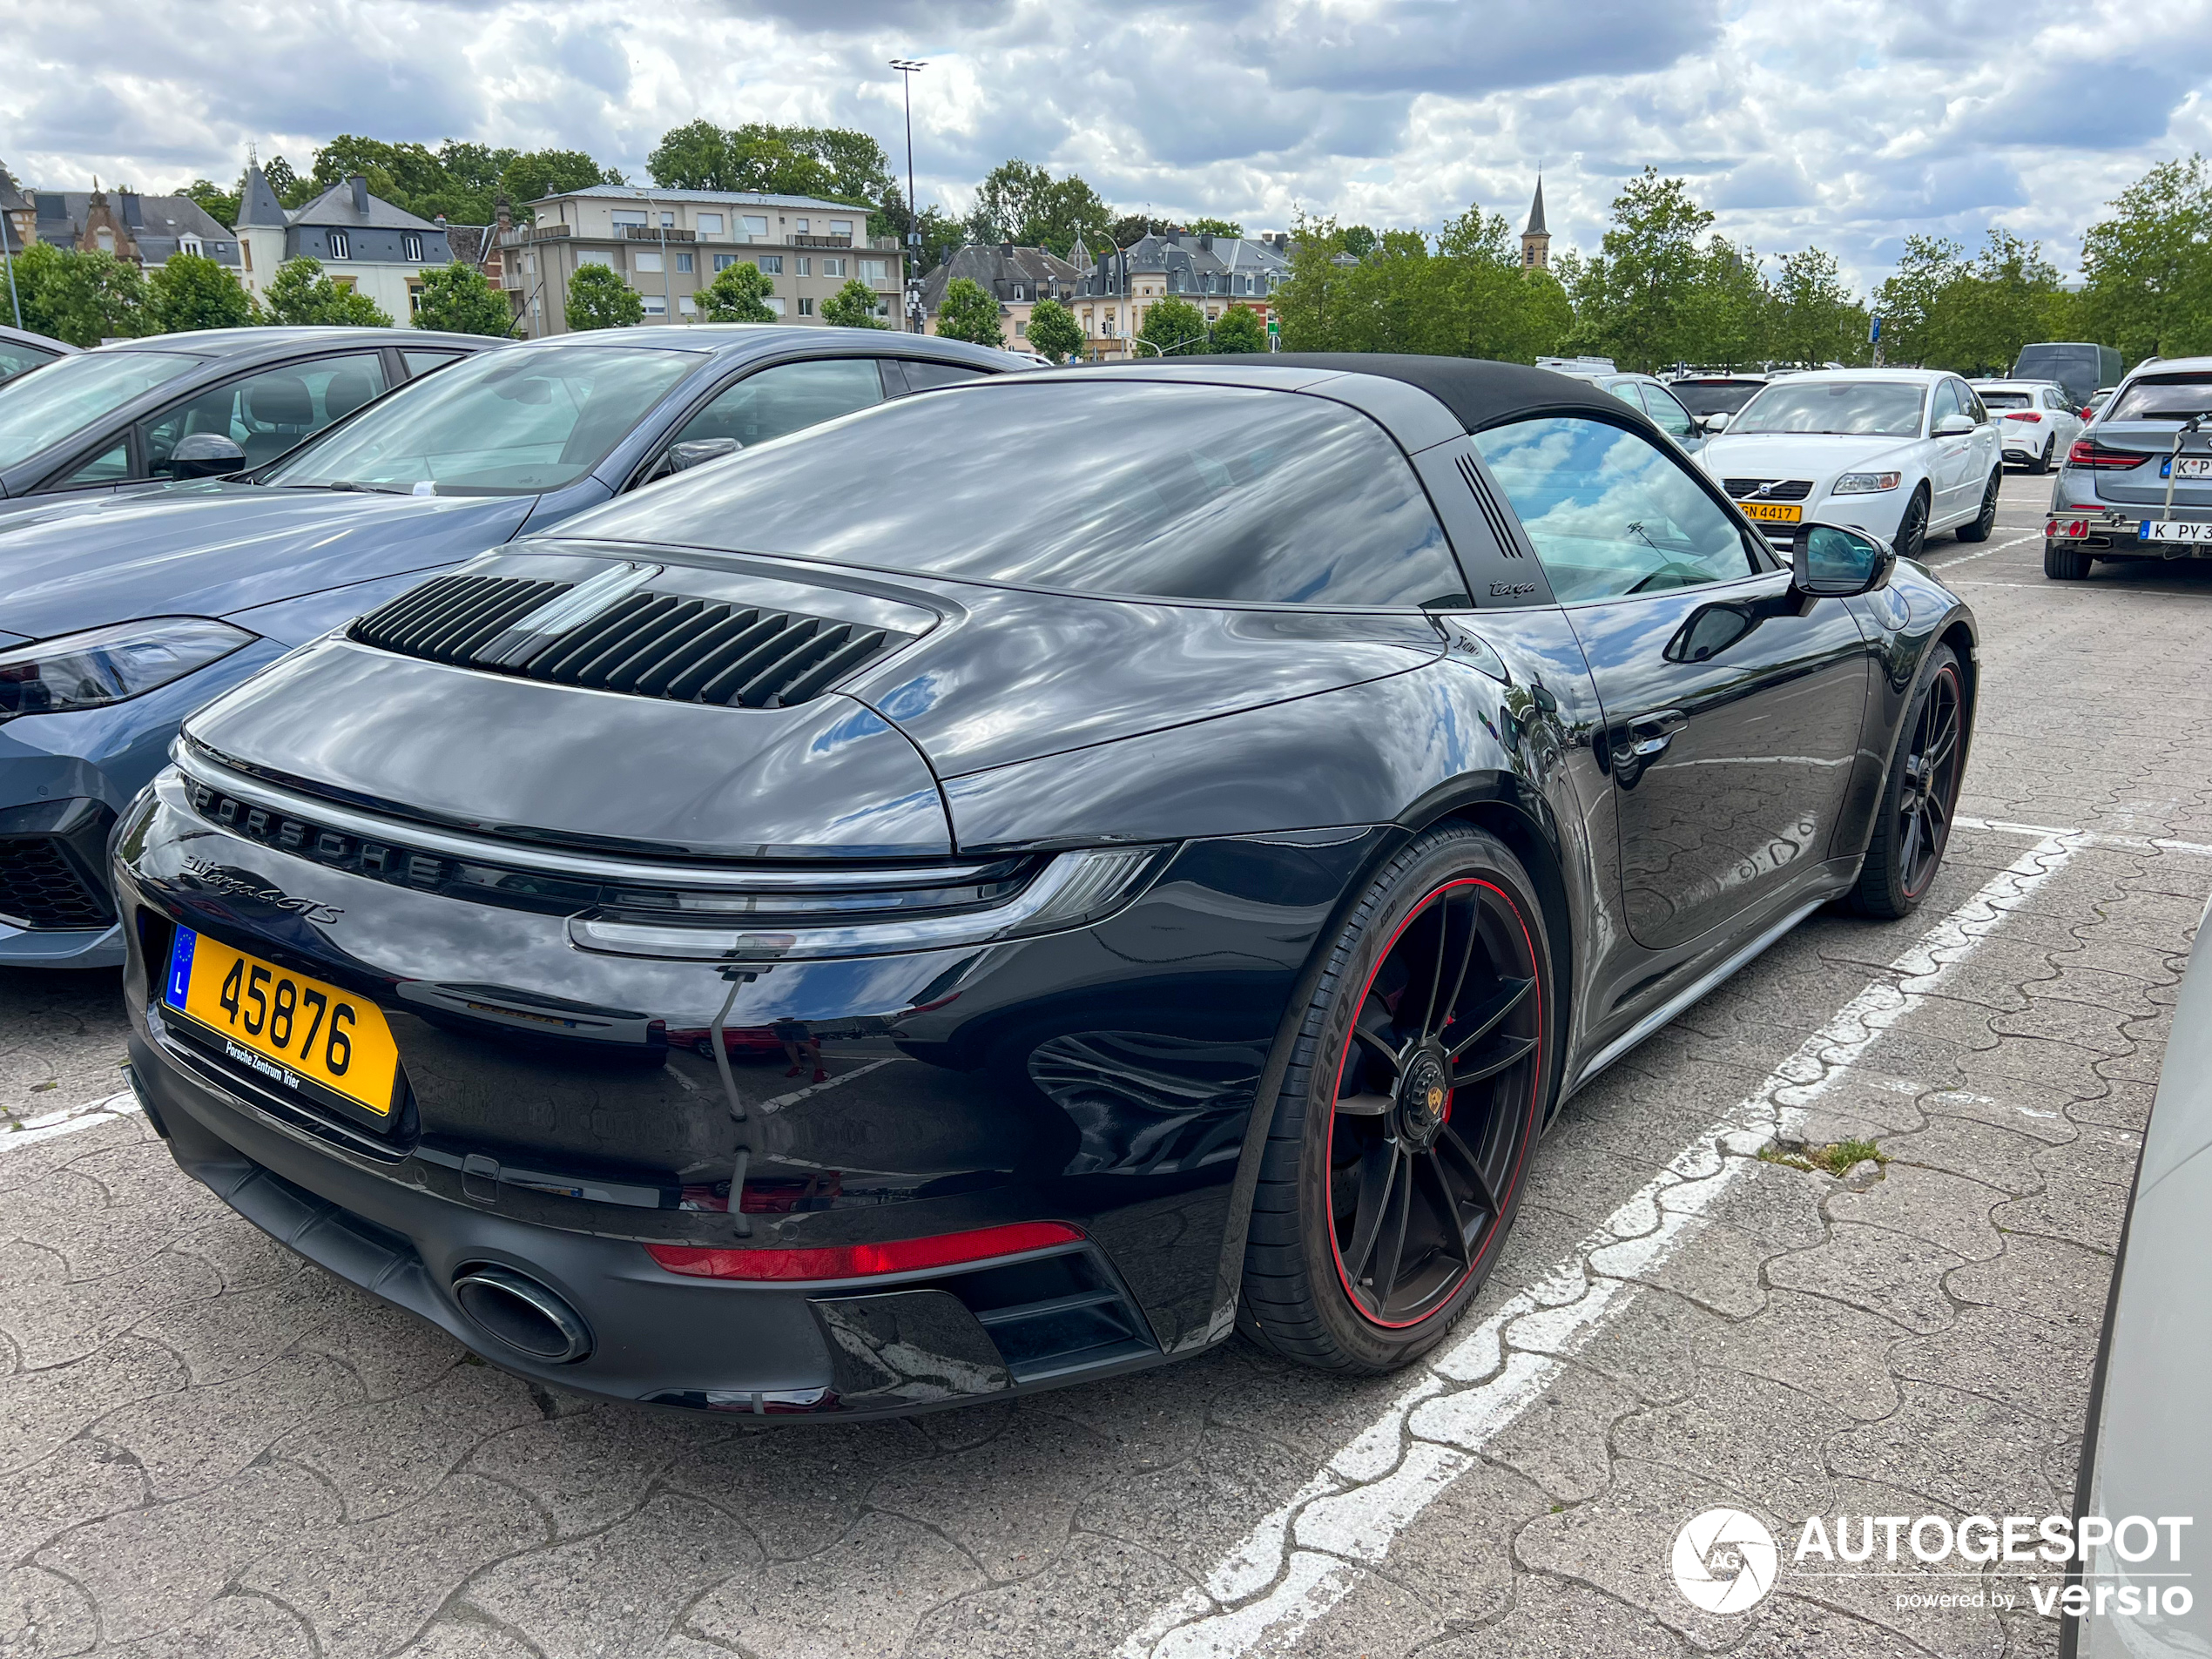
[[908, 68]]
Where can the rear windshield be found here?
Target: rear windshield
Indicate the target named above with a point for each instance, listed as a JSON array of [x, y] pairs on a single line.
[[1103, 486], [1871, 408], [1716, 397], [502, 423], [41, 411], [2007, 399], [2170, 397]]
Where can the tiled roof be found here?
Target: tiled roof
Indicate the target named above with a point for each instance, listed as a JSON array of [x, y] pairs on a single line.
[[335, 206]]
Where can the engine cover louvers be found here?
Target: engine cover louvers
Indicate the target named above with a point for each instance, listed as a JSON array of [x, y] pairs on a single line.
[[655, 645]]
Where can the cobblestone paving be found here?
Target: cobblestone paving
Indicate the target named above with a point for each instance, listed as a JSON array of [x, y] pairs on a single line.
[[208, 1447]]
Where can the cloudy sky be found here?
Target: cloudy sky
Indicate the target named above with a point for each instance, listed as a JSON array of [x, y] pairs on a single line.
[[1844, 122]]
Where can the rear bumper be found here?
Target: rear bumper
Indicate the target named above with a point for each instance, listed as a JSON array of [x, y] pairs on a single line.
[[2112, 532]]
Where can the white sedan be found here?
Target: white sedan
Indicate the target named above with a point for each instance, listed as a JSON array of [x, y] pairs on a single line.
[[2036, 422], [1903, 454]]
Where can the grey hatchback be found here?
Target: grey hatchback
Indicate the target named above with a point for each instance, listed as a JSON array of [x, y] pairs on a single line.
[[2138, 483]]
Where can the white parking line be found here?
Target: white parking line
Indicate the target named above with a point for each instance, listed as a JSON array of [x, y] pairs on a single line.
[[2090, 838], [1306, 1556], [1983, 552], [29, 1131]]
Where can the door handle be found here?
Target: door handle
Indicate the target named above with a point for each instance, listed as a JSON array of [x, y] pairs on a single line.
[[1649, 735]]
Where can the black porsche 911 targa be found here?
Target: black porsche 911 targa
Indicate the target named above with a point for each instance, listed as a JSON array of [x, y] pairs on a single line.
[[1017, 884]]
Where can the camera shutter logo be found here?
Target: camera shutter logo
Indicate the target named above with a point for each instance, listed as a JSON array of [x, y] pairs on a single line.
[[1724, 1561]]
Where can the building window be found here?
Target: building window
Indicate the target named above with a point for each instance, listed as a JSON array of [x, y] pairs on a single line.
[[832, 267], [588, 257], [642, 261], [189, 245], [840, 227], [668, 221], [805, 307], [628, 216], [772, 264], [723, 262], [656, 306], [800, 224], [682, 261], [411, 246], [1020, 329], [875, 270], [776, 304], [340, 247], [805, 266], [707, 224], [755, 225], [413, 298], [684, 304]]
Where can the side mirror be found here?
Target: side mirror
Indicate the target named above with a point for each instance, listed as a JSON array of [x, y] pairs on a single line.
[[1953, 426], [1831, 563], [205, 455], [1717, 422], [682, 456]]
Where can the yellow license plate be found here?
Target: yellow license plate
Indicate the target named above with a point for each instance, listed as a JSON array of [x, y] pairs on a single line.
[[283, 1027], [1772, 512]]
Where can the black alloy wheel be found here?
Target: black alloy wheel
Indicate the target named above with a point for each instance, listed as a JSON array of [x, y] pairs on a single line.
[[1416, 1092], [1985, 521], [2062, 564], [1913, 529], [1921, 797], [2042, 464]]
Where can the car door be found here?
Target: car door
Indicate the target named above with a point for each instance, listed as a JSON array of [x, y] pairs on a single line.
[[1732, 705], [1953, 455], [1670, 417], [2062, 417], [770, 402], [1987, 454]]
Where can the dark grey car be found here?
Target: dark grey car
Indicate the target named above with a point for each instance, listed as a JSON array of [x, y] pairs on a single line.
[[2138, 483], [21, 351], [103, 420]]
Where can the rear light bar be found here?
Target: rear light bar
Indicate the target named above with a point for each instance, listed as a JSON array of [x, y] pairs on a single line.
[[861, 1261], [2088, 452], [2024, 415]]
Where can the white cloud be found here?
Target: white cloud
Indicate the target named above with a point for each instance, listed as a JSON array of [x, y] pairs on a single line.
[[1848, 123]]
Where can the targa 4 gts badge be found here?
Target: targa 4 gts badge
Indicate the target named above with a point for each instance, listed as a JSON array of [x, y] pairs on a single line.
[[211, 875]]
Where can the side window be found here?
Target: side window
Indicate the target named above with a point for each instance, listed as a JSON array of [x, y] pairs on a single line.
[[1944, 404], [786, 397], [419, 363], [109, 467], [266, 413], [921, 376], [16, 359], [1970, 400], [1670, 416], [1609, 513], [1626, 391]]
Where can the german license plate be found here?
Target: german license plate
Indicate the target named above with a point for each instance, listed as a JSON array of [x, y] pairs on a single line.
[[283, 1027], [1772, 512], [2187, 466], [2173, 530]]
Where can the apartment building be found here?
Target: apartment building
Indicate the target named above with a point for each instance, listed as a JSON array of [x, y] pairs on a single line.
[[1016, 276], [1212, 273], [670, 243]]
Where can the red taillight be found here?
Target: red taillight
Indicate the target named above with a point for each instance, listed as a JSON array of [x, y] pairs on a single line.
[[2088, 412], [2024, 416], [2087, 452], [860, 1261]]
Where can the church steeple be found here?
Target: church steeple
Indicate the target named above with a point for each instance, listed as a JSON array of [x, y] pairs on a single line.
[[1536, 240]]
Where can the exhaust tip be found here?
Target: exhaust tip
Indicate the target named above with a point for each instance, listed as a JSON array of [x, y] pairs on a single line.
[[517, 1311]]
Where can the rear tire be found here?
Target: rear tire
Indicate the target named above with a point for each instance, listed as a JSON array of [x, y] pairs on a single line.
[[1985, 521], [2043, 457], [1919, 798], [1913, 529], [1365, 1181], [2065, 564]]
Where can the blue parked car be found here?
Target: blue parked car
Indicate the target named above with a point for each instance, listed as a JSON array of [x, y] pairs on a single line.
[[121, 615]]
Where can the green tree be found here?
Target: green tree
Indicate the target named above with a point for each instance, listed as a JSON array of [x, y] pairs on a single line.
[[738, 293], [600, 298], [1238, 330], [1215, 228], [189, 291], [301, 295], [852, 307], [1022, 203], [833, 162], [291, 190], [1054, 331], [1174, 328], [218, 203], [1728, 321], [82, 298], [1135, 227], [941, 232], [455, 297], [1817, 319], [1911, 301], [532, 175], [1636, 297], [2146, 266], [969, 313], [1359, 240]]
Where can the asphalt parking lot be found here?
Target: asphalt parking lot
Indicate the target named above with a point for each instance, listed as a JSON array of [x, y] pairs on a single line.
[[209, 1447]]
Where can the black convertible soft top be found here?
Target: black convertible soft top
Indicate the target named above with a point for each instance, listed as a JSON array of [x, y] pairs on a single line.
[[1481, 394]]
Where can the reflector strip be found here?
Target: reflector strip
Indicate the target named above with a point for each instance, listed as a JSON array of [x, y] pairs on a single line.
[[858, 1261]]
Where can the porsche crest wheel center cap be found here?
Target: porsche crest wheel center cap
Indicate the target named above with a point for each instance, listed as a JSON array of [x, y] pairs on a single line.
[[1421, 1096]]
